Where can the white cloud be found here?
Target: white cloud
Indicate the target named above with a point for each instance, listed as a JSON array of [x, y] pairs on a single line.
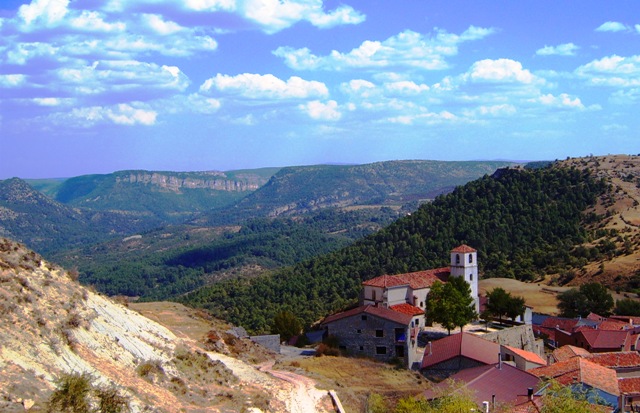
[[255, 86], [500, 70], [211, 5], [614, 71], [94, 22], [121, 114], [561, 101], [406, 49], [46, 12], [612, 27], [322, 111], [565, 49], [22, 53], [406, 88], [125, 114], [156, 23], [275, 15], [12, 80]]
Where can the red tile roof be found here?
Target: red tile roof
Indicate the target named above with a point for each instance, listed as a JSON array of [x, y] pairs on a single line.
[[528, 355], [629, 385], [406, 308], [416, 280], [566, 352], [462, 344], [463, 249], [380, 312], [602, 340], [627, 319], [565, 324], [580, 370], [610, 324], [506, 383], [616, 360]]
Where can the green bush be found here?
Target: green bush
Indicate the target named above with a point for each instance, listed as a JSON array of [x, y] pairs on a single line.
[[72, 394]]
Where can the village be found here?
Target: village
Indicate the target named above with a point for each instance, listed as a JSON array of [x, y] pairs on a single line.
[[501, 363]]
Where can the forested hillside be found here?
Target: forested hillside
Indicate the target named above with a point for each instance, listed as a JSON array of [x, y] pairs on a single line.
[[177, 259], [523, 223], [45, 225], [298, 190]]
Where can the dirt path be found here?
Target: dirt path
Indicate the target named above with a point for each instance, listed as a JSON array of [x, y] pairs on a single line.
[[305, 397]]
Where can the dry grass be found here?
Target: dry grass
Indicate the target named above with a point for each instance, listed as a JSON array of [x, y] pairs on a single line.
[[355, 378]]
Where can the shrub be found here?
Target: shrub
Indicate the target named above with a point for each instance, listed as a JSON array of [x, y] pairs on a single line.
[[150, 367], [111, 401], [72, 393]]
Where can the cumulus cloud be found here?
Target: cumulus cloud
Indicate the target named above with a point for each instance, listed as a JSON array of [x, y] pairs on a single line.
[[121, 114], [12, 80], [322, 111], [275, 15], [611, 26], [256, 86], [561, 101], [614, 71], [565, 49], [45, 13], [500, 70], [406, 49]]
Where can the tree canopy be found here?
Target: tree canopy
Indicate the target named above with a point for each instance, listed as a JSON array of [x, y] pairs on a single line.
[[501, 303], [589, 298], [451, 304]]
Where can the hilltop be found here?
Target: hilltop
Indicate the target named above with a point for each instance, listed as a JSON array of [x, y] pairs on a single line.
[[51, 327]]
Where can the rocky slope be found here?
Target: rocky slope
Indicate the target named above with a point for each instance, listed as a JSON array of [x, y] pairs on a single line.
[[615, 230], [51, 328]]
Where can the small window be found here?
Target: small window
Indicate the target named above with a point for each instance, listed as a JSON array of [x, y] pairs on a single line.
[[361, 348], [417, 321], [359, 331], [379, 333], [381, 350], [470, 258], [373, 295], [343, 348], [364, 318], [471, 277], [457, 258], [422, 304]]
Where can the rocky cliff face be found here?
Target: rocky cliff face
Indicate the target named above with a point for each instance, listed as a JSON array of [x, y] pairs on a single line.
[[205, 180], [52, 328]]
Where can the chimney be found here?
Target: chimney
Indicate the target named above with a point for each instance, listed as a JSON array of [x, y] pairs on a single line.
[[499, 361], [530, 393], [493, 401], [485, 407]]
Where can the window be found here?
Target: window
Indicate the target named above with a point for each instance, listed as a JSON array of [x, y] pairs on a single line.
[[381, 350], [470, 258], [343, 348], [399, 351], [373, 295], [379, 333], [359, 331], [471, 277], [364, 318], [457, 258], [417, 321], [421, 303], [361, 348]]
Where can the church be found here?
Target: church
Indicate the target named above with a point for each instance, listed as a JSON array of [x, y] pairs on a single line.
[[392, 310]]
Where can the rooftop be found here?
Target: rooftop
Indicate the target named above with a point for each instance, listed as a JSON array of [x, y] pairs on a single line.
[[415, 280], [380, 312], [580, 370], [461, 344]]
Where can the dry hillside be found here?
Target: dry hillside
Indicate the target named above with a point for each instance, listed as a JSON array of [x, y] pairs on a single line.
[[51, 327], [617, 235]]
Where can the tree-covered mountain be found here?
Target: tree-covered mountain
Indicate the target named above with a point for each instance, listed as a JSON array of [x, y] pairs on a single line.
[[45, 225], [301, 189], [169, 196], [523, 223]]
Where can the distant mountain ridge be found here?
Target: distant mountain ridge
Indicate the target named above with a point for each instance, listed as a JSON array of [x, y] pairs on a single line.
[[46, 225], [301, 189]]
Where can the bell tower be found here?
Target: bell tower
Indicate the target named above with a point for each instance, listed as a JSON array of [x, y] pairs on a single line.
[[464, 263]]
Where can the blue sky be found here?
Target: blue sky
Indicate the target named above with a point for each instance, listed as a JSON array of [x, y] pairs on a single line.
[[95, 86]]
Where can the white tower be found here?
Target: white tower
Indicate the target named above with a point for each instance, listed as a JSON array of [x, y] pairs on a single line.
[[464, 263]]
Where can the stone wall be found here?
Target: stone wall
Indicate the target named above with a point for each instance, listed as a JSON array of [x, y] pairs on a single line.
[[519, 337]]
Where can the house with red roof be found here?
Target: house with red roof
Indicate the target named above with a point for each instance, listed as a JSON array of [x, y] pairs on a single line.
[[378, 332], [492, 384], [452, 354], [600, 383], [392, 310]]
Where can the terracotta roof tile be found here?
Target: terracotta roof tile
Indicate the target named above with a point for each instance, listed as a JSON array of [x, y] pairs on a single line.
[[580, 370], [381, 312], [566, 352], [629, 385], [406, 308], [416, 280], [600, 340], [462, 344], [613, 325], [463, 249], [566, 324], [616, 360], [528, 355], [506, 383]]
